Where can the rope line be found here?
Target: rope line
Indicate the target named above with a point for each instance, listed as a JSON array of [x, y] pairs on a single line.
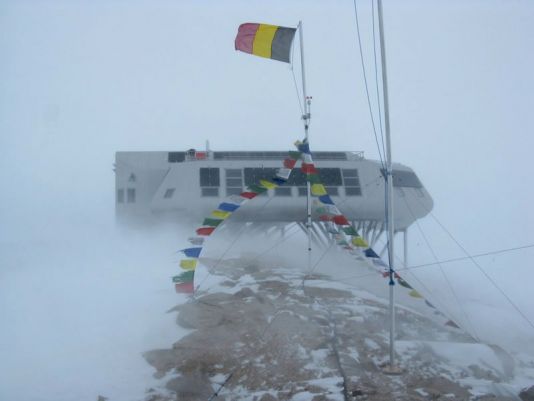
[[366, 86], [449, 284], [512, 303], [376, 77], [471, 258], [478, 255], [295, 80], [415, 267]]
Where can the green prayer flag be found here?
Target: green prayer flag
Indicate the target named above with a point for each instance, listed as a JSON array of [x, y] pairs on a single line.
[[211, 222], [349, 230], [294, 155], [185, 277], [313, 178], [256, 188]]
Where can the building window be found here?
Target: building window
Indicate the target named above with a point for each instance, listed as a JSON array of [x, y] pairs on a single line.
[[209, 177], [132, 178], [207, 191], [234, 191], [332, 191], [169, 193], [283, 191], [130, 195], [254, 175], [406, 179], [234, 181], [353, 191], [297, 178], [303, 191], [328, 177], [209, 181], [120, 195], [351, 181]]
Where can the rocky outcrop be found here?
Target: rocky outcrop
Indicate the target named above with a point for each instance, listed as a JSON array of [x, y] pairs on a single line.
[[280, 340], [527, 394]]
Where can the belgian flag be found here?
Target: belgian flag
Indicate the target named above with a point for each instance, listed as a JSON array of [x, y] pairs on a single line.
[[269, 41]]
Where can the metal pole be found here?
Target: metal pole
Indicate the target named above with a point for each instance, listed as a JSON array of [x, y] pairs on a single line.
[[306, 115], [405, 237], [389, 182], [306, 119]]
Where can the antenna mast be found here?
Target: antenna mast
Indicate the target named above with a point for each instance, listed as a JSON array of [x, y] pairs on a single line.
[[306, 118]]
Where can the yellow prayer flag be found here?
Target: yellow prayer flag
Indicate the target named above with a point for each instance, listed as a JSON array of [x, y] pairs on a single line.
[[415, 294], [188, 264], [268, 184], [220, 214], [318, 190], [359, 242]]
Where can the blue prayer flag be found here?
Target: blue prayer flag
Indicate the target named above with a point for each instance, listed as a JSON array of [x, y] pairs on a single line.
[[370, 253], [192, 252], [304, 148], [326, 200], [228, 207]]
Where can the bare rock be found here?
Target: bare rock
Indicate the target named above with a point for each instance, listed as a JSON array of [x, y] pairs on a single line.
[[191, 388], [268, 397], [162, 360], [327, 293], [527, 394], [244, 293]]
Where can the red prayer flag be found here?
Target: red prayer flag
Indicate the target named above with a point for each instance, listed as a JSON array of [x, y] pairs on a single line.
[[341, 220], [184, 288], [308, 168], [205, 230], [289, 163], [248, 195]]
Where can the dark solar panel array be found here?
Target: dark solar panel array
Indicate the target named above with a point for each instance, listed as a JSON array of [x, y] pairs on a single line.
[[272, 155], [328, 176], [176, 157]]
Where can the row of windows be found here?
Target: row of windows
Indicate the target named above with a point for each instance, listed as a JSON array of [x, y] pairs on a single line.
[[210, 177], [236, 179], [130, 195], [332, 178]]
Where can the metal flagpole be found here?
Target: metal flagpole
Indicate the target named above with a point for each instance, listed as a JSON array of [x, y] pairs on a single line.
[[306, 118], [392, 368]]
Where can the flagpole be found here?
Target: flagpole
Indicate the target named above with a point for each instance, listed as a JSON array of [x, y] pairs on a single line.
[[306, 118], [392, 368]]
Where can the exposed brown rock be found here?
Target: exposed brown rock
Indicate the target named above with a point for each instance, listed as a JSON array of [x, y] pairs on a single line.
[[287, 340]]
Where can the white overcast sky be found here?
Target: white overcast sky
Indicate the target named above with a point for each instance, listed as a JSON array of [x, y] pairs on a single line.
[[80, 80], [83, 79]]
